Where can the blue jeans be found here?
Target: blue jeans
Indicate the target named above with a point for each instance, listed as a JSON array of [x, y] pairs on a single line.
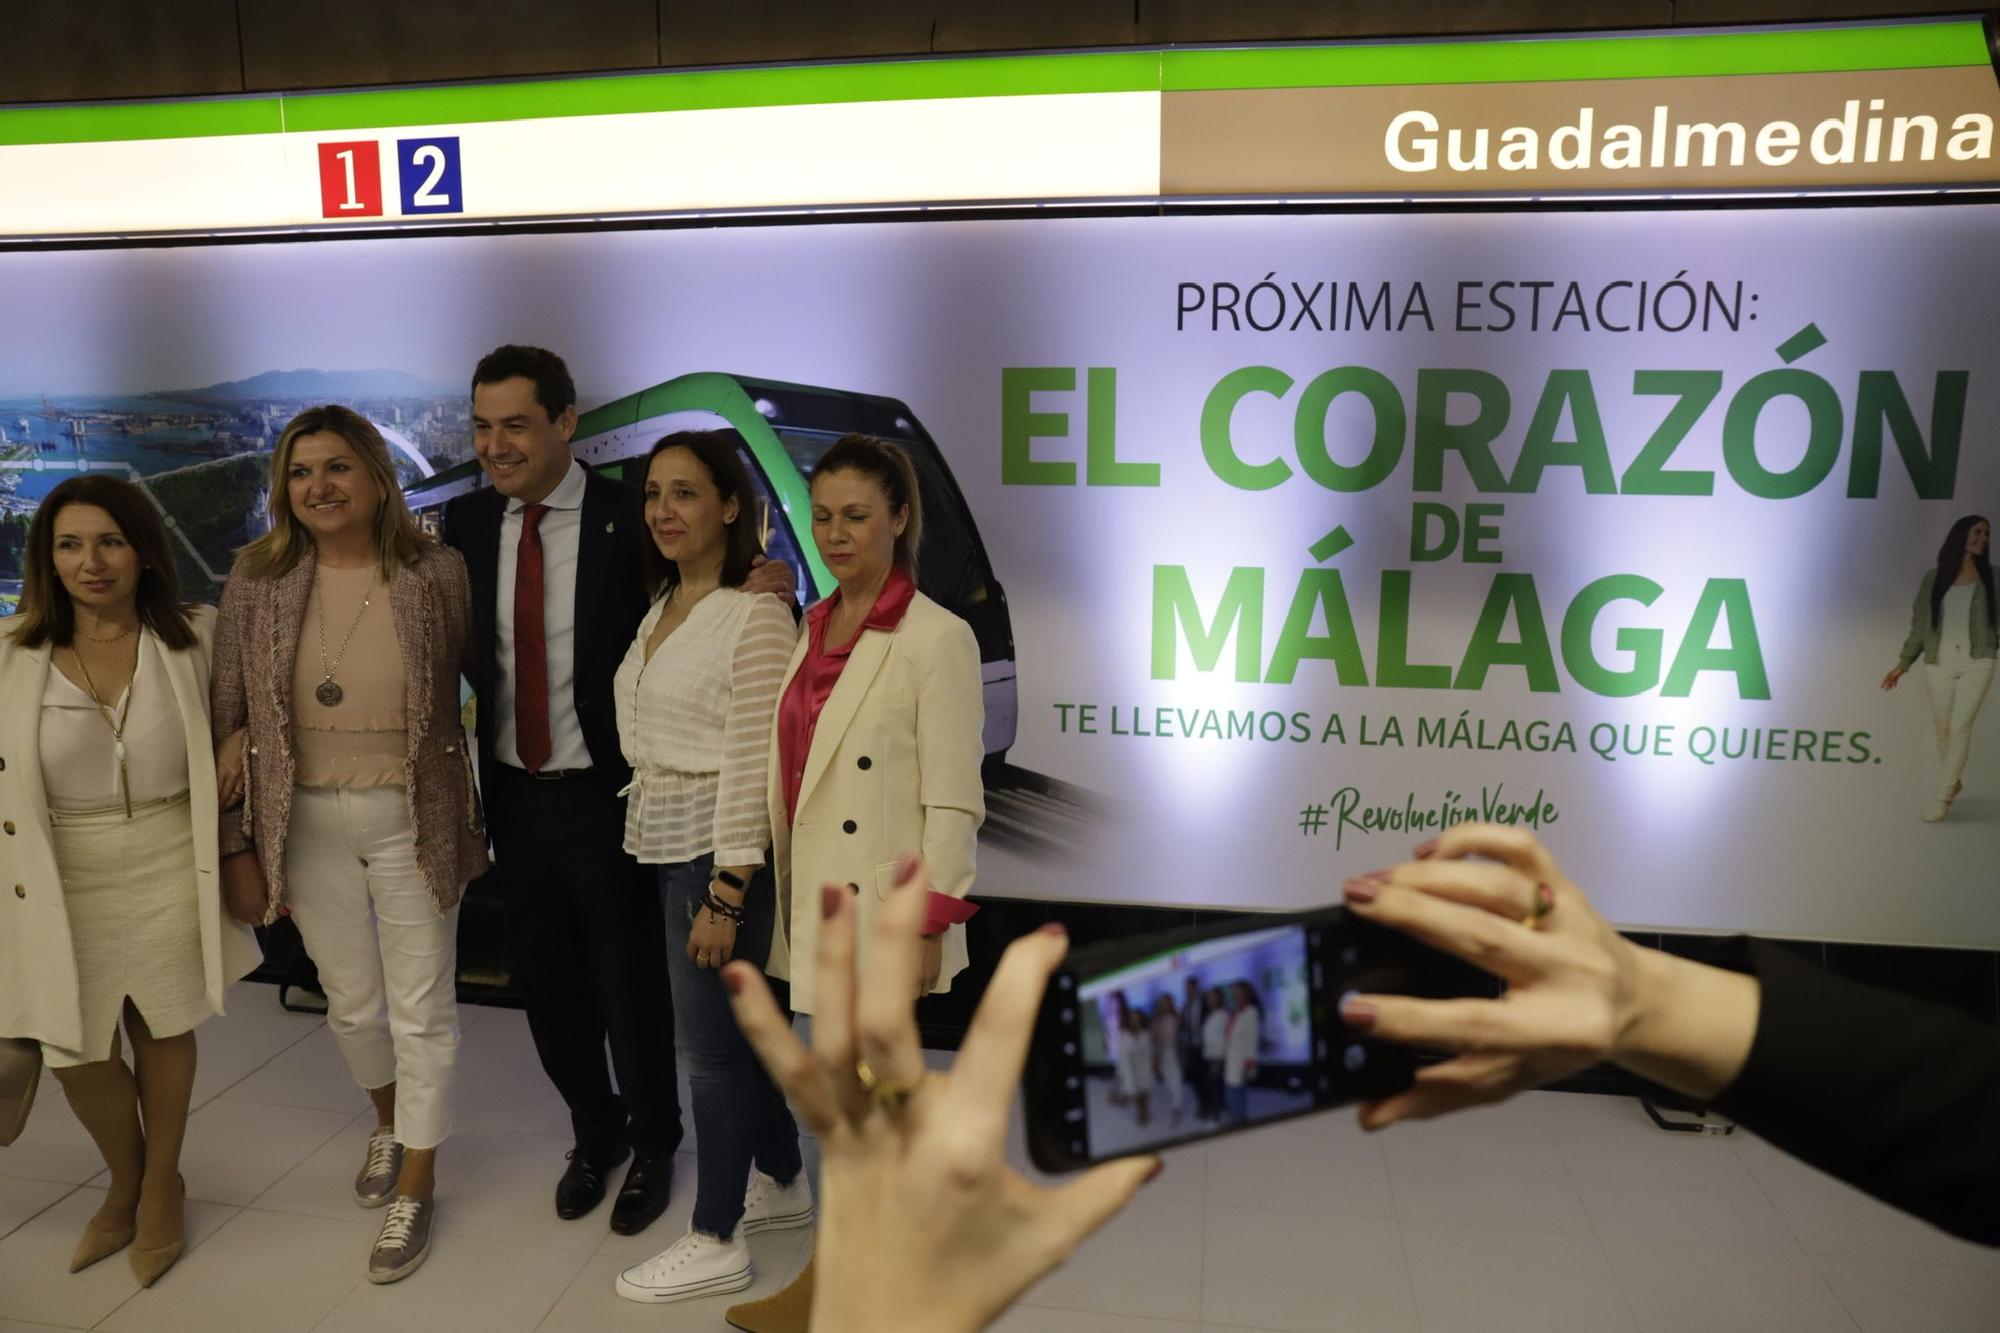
[[739, 1116], [1235, 1098]]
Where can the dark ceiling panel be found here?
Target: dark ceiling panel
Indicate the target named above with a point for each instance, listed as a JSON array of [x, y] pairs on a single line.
[[67, 50], [1023, 25], [339, 43], [1163, 21], [753, 30], [1799, 11]]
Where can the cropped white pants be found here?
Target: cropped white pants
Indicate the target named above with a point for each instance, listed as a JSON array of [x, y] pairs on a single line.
[[388, 961], [1957, 686]]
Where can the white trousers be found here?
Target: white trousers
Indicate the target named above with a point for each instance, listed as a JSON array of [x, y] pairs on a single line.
[[1170, 1074], [387, 960], [1957, 686]]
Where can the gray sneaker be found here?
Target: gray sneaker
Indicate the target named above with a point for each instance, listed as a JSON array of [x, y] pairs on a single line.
[[376, 1184], [405, 1239]]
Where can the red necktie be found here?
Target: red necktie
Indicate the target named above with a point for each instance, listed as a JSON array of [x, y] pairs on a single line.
[[531, 653]]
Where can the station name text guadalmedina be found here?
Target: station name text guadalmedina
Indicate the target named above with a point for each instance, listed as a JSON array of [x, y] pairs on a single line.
[[1416, 141]]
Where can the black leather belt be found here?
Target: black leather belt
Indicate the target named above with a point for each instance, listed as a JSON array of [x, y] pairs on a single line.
[[554, 774]]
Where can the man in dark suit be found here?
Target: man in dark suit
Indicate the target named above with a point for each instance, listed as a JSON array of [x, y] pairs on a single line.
[[558, 592]]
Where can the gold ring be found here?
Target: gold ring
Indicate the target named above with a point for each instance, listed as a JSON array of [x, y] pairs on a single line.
[[1544, 903], [889, 1094]]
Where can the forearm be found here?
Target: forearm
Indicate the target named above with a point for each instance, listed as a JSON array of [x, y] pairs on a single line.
[[728, 892], [951, 839], [1894, 1095], [1692, 1026]]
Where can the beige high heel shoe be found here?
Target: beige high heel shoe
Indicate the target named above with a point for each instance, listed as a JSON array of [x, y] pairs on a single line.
[[149, 1264], [97, 1245]]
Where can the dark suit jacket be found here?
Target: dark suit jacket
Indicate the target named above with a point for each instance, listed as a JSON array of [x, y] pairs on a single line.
[[610, 602], [1896, 1096]]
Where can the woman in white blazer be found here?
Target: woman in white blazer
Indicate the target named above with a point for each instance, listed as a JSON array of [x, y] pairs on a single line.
[[880, 724], [876, 752], [112, 910]]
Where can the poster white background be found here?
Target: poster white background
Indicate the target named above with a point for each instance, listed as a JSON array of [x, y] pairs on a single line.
[[931, 314]]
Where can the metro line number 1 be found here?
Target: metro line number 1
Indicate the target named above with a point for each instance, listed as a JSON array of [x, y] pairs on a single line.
[[350, 179]]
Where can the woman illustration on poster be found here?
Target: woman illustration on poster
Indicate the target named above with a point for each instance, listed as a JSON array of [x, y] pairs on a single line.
[[1952, 627]]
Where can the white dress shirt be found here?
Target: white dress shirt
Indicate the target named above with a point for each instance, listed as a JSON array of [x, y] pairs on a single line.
[[561, 531]]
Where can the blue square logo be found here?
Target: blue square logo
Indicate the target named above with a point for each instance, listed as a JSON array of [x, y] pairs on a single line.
[[428, 170]]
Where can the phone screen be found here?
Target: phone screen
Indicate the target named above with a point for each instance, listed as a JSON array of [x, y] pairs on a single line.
[[1142, 1046]]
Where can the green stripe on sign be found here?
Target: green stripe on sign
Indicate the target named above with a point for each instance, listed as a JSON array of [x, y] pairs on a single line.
[[1887, 46], [894, 81], [111, 123], [1548, 60]]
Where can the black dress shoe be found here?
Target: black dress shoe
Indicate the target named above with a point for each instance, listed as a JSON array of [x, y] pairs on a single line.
[[582, 1185], [643, 1197]]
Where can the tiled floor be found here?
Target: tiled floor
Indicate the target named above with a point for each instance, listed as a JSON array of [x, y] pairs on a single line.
[[1552, 1213]]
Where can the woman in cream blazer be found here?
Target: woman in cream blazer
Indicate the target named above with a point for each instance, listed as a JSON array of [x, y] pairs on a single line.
[[892, 754], [111, 911], [38, 991], [876, 752]]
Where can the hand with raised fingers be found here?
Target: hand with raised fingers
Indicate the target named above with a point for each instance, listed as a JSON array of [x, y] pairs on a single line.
[[923, 1225], [1576, 991]]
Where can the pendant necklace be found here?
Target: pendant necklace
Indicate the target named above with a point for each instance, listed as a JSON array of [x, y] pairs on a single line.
[[329, 692], [117, 724]]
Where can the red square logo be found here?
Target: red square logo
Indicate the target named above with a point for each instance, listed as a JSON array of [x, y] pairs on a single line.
[[350, 179]]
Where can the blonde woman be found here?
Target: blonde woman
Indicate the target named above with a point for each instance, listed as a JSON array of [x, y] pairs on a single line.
[[339, 647], [108, 783], [876, 751]]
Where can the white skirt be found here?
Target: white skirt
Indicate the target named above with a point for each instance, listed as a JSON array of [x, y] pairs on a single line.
[[129, 886]]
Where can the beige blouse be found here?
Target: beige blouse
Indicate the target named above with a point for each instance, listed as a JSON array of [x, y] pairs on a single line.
[[79, 758], [360, 741]]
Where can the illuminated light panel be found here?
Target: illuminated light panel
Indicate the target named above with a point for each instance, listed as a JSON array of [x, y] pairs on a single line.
[[852, 154]]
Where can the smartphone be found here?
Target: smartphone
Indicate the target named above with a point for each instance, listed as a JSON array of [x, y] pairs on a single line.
[[1129, 1057]]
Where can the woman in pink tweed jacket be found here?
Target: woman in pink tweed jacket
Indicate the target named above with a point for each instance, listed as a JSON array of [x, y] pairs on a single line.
[[338, 651]]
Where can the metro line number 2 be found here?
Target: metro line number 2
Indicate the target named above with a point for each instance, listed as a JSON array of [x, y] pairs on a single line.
[[427, 170]]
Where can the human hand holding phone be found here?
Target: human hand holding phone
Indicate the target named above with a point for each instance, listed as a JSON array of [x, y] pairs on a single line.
[[1236, 1022], [923, 1225], [1577, 991]]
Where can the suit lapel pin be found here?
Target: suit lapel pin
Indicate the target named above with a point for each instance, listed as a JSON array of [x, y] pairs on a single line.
[[611, 527]]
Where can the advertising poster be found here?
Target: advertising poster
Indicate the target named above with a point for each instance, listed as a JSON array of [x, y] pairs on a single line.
[[1314, 533]]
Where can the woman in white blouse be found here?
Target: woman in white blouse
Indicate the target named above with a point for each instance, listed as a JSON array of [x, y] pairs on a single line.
[[110, 805], [697, 695]]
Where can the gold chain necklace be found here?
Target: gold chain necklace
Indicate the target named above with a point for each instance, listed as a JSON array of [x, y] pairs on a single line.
[[329, 692], [117, 726]]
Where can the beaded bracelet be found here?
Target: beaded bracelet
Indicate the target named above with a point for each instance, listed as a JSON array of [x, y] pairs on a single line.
[[730, 912]]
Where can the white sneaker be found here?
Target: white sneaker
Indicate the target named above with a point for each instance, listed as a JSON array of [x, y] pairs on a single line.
[[769, 1206], [695, 1265]]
